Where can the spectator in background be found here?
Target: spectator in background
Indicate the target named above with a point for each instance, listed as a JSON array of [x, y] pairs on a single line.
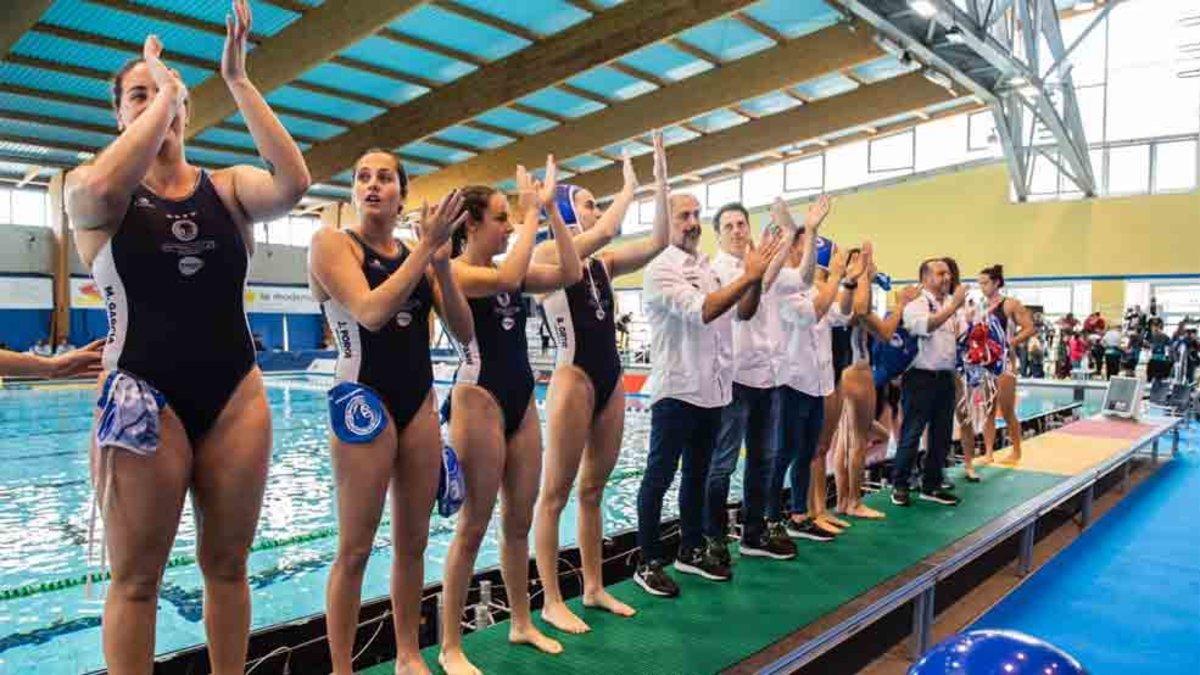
[[623, 331], [1110, 345], [1132, 353], [258, 343], [42, 348], [544, 333], [1159, 366], [1068, 323], [1077, 348], [1036, 358], [1094, 324]]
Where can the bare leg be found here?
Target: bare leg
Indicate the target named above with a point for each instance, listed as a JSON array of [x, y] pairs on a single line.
[[966, 431], [361, 472], [599, 458], [570, 393], [229, 476], [477, 432], [518, 489], [414, 490], [859, 392], [143, 498], [818, 484], [1006, 400]]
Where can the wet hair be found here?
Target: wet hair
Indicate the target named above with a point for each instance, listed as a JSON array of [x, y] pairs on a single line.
[[475, 202], [118, 79], [732, 206], [401, 174], [996, 274], [955, 275]]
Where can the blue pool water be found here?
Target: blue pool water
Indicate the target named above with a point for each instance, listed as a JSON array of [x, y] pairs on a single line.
[[45, 500]]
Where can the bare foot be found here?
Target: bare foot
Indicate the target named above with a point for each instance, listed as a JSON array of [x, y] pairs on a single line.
[[558, 615], [831, 520], [455, 662], [602, 599], [1011, 460], [535, 638], [865, 512], [987, 458], [825, 526], [411, 665]]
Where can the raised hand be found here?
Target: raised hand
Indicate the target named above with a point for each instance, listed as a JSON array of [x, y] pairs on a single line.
[[660, 160], [781, 216], [960, 295], [758, 259], [237, 32], [837, 266], [907, 294], [438, 224], [816, 213], [545, 191], [168, 81], [527, 190], [630, 184]]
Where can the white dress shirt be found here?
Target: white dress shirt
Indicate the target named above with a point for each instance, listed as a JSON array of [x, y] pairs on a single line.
[[690, 360], [808, 344], [936, 350], [758, 342]]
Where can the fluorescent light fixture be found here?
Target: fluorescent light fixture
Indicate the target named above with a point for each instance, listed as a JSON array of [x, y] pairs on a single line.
[[888, 45], [1084, 5], [955, 36], [1028, 91], [923, 8], [1017, 81]]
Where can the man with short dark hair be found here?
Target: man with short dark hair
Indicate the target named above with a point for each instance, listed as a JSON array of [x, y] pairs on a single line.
[[691, 380], [928, 385]]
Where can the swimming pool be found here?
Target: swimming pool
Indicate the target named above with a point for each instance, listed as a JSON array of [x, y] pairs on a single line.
[[47, 625]]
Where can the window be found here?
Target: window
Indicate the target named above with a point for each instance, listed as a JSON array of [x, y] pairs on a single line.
[[5, 206], [981, 131], [29, 207], [1175, 166], [723, 192], [804, 174], [941, 143], [762, 185], [1129, 169], [893, 153]]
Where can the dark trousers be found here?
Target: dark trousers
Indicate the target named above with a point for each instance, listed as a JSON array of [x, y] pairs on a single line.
[[1112, 364], [800, 420], [678, 430], [927, 401], [753, 417]]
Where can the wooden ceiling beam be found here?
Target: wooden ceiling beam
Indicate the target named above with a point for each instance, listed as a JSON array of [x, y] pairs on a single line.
[[726, 85], [307, 42], [608, 36]]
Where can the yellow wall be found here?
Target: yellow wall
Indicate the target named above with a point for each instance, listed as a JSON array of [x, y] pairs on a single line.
[[969, 216]]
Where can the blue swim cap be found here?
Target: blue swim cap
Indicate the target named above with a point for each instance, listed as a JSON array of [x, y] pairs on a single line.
[[564, 196]]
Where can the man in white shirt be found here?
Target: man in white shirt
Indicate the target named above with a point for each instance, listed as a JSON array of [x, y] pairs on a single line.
[[691, 380], [753, 414], [928, 385], [806, 309]]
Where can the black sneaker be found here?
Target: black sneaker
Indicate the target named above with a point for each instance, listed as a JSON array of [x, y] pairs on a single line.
[[654, 580], [900, 497], [698, 561], [770, 546], [940, 497], [718, 548], [971, 478], [807, 529], [946, 486]]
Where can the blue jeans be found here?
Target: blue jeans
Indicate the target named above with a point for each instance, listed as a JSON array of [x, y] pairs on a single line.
[[800, 420], [752, 416], [678, 430], [927, 400]]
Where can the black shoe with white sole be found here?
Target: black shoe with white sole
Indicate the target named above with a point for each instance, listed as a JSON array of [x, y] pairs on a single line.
[[807, 529], [700, 562], [770, 546], [900, 497], [654, 580], [940, 497], [718, 548]]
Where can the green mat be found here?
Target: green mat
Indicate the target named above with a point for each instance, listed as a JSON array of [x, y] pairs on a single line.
[[714, 625]]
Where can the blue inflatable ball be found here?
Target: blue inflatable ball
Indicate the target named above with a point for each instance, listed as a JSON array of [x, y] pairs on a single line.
[[996, 652]]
